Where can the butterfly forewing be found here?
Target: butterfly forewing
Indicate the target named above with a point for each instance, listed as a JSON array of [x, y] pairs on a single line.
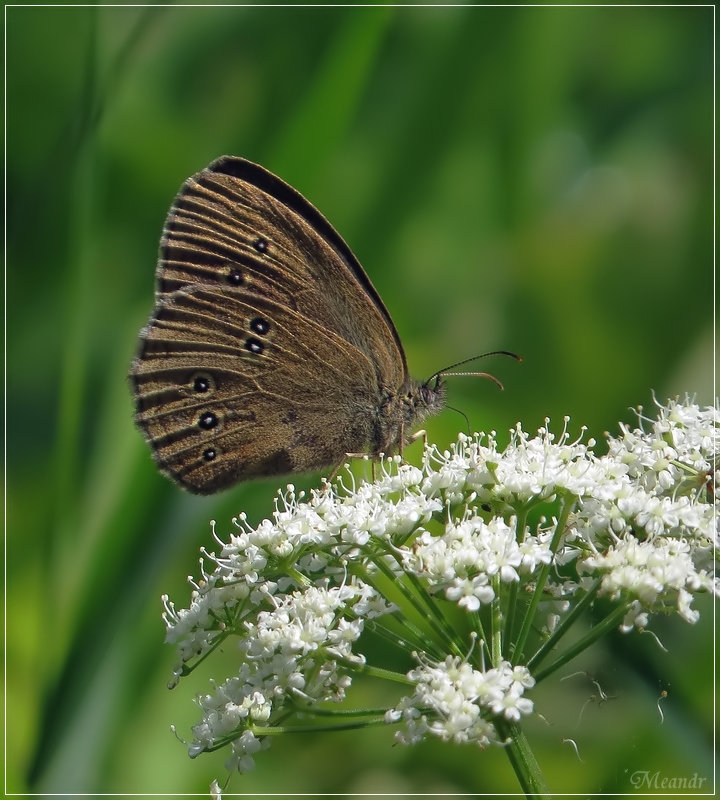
[[235, 224]]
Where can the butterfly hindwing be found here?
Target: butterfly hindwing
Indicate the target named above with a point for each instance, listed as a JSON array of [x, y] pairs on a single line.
[[231, 386]]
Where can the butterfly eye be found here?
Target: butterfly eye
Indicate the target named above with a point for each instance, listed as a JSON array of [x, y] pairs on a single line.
[[259, 325], [207, 421], [254, 345], [260, 245], [202, 383], [235, 278]]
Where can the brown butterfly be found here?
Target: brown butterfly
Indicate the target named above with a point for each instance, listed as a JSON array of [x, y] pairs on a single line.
[[269, 351]]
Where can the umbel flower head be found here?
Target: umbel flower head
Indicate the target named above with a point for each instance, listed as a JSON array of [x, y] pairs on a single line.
[[474, 566]]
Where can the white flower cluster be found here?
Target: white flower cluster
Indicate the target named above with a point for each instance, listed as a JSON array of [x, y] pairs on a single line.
[[450, 698], [297, 591], [649, 533], [529, 470], [290, 650], [470, 552]]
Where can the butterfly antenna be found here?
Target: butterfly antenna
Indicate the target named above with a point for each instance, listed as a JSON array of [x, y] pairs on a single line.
[[443, 373], [462, 414], [473, 375]]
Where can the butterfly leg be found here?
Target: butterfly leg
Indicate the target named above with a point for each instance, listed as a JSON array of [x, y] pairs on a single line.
[[364, 456], [337, 469], [331, 477], [421, 434]]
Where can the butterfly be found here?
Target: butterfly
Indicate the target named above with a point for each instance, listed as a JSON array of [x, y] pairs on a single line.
[[268, 351]]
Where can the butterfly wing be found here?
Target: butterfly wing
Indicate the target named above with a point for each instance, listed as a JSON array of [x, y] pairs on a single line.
[[232, 385], [236, 224], [269, 350]]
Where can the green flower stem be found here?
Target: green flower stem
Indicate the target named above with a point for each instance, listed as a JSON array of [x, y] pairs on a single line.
[[297, 576], [477, 626], [597, 632], [338, 726], [438, 620], [187, 667], [412, 637], [564, 626], [419, 636], [522, 759], [278, 730], [521, 522], [496, 617], [568, 502], [421, 601], [511, 604], [344, 712], [376, 672], [510, 607]]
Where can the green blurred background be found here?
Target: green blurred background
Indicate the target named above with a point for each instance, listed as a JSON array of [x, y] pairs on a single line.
[[533, 179]]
